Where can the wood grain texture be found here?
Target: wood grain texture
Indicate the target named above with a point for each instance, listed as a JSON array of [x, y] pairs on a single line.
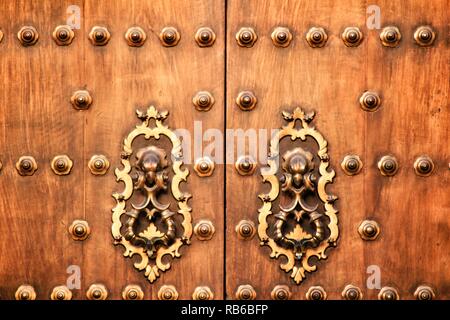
[[38, 119], [413, 120]]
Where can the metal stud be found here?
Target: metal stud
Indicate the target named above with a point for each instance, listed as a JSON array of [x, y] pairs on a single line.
[[79, 230], [370, 101], [203, 101], [169, 37], [246, 37], [99, 36], [424, 293], [204, 167], [351, 164], [424, 36], [61, 293], [369, 230], [245, 229], [98, 165], [281, 37], [316, 37], [388, 166], [25, 292], [81, 100], [202, 293], [61, 165], [132, 292], [246, 100], [135, 37], [352, 292], [245, 165], [316, 293], [205, 37], [281, 292], [390, 36], [245, 292], [352, 36], [204, 230], [168, 292], [97, 291], [26, 166], [28, 36], [63, 35], [388, 293], [423, 166]]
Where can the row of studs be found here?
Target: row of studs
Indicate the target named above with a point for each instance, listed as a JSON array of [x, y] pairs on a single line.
[[317, 37], [244, 292], [61, 165], [352, 165], [98, 291], [98, 165], [350, 292], [63, 35]]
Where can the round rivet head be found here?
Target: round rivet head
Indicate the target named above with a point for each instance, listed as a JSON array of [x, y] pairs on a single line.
[[424, 293], [281, 292], [351, 164], [352, 292], [25, 292], [26, 166], [316, 293], [99, 36], [205, 37], [135, 37], [63, 35], [61, 165], [388, 166], [245, 165], [246, 37], [424, 36], [245, 229], [203, 101], [352, 36], [28, 36], [369, 230], [316, 37], [168, 292], [81, 100], [204, 230], [204, 167], [423, 166], [388, 293], [246, 100], [169, 37], [390, 36], [98, 164], [281, 37], [370, 101], [245, 292], [132, 292], [202, 293], [97, 292], [61, 293], [79, 230]]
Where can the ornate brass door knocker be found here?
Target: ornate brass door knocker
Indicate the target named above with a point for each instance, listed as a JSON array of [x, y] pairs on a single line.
[[149, 228], [305, 224]]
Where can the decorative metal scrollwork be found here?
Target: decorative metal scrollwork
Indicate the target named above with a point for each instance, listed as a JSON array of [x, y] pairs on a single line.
[[150, 229], [306, 224]]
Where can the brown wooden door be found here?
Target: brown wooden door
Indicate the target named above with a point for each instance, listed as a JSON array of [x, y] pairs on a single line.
[[225, 71]]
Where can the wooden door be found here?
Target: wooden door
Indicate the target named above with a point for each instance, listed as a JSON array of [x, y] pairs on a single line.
[[347, 202], [329, 77], [39, 120]]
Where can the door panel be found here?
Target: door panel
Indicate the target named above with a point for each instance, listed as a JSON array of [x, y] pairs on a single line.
[[40, 121], [412, 121]]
